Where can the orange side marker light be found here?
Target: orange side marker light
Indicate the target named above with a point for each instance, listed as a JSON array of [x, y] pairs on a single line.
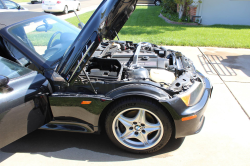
[[189, 118], [86, 102]]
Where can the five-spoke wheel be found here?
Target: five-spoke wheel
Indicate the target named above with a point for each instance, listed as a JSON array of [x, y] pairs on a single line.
[[137, 132], [141, 128]]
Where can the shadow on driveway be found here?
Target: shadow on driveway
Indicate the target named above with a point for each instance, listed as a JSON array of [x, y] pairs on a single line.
[[78, 146], [240, 62], [226, 61]]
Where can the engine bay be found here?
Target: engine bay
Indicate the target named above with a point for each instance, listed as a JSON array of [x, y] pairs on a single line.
[[128, 61]]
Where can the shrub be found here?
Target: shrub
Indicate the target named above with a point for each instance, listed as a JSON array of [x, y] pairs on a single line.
[[169, 6], [172, 17]]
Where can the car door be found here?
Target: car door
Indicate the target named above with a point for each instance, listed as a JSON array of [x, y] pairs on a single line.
[[24, 106], [69, 4], [75, 4]]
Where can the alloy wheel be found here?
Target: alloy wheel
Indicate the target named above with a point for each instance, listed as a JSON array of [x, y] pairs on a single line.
[[137, 128]]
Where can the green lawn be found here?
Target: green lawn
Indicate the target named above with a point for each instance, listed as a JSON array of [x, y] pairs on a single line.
[[83, 17], [19, 1], [145, 25]]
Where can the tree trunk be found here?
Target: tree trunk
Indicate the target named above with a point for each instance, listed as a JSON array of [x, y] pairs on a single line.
[[181, 10]]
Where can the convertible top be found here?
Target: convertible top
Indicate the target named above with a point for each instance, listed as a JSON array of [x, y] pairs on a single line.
[[9, 18]]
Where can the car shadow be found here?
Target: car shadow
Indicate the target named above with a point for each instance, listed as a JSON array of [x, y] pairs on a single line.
[[240, 62], [91, 147], [226, 62]]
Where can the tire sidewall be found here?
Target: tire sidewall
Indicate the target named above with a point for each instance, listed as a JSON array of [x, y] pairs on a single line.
[[78, 7], [65, 10], [156, 109], [156, 3]]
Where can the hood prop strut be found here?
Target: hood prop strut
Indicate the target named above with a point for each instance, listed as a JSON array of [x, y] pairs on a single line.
[[117, 35], [95, 91]]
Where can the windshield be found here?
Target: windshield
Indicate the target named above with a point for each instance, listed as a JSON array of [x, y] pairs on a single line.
[[48, 37], [10, 5]]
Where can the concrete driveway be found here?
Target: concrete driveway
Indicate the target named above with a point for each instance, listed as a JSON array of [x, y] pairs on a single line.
[[224, 139]]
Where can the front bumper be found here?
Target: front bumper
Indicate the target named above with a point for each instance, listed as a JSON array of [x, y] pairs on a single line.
[[179, 110]]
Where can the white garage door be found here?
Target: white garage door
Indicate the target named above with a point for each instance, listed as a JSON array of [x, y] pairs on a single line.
[[234, 12]]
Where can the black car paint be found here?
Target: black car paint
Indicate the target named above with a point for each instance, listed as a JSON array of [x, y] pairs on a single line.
[[64, 97], [178, 110], [24, 106]]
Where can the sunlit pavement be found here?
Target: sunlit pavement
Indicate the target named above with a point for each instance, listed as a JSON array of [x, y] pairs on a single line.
[[224, 139]]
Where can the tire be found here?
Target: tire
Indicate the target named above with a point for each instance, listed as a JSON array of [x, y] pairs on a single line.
[[148, 134], [157, 3], [65, 11], [78, 7]]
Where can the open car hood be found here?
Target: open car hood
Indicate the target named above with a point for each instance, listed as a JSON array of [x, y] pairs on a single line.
[[107, 20]]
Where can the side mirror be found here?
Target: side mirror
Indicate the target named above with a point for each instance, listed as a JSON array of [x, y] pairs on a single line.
[[4, 81], [80, 25], [19, 7]]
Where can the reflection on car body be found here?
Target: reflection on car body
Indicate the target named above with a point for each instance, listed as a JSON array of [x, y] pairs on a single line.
[[139, 93]]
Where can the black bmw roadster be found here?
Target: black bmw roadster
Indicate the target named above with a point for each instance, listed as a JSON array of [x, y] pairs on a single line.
[[55, 76]]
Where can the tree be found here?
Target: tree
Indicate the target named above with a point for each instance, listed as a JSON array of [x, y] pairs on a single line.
[[183, 4]]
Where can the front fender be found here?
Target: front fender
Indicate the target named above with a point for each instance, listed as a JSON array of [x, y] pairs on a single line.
[[139, 90]]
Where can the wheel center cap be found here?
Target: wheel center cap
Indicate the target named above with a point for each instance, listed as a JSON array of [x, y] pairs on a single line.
[[137, 128]]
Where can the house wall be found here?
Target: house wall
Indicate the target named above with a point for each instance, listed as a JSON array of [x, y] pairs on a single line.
[[234, 12]]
